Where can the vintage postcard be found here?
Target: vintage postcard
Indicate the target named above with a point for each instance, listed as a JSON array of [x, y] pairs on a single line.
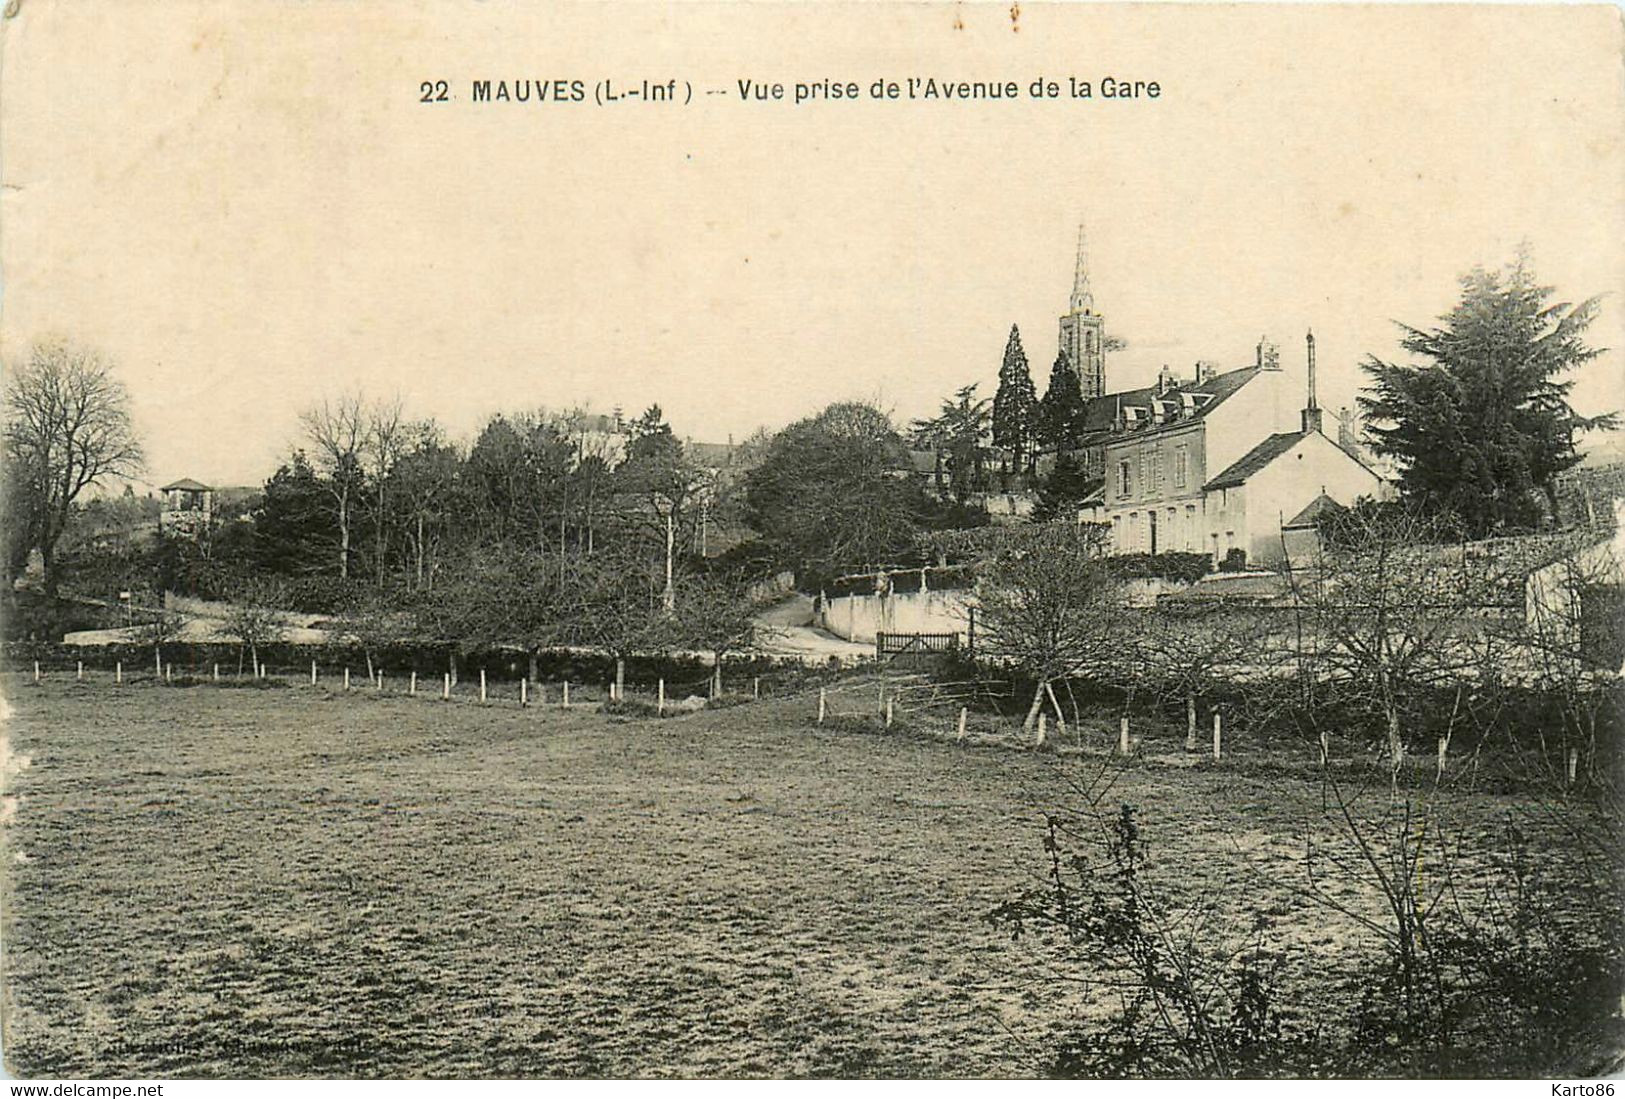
[[784, 540]]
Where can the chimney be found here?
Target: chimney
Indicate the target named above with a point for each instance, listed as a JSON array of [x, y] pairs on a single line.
[[1269, 355], [1165, 380], [1311, 408], [1204, 371], [1345, 428]]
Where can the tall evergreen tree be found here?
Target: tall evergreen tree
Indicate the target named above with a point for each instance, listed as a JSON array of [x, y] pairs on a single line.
[[1015, 405], [1060, 494], [1061, 411], [292, 533], [651, 437], [1481, 429]]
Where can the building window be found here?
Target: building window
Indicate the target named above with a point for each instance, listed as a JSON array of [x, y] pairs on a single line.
[[1122, 478], [1181, 465]]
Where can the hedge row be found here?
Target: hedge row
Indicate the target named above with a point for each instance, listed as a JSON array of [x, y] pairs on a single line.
[[428, 659]]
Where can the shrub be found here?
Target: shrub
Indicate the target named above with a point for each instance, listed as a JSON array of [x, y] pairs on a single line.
[[1188, 567], [1510, 976]]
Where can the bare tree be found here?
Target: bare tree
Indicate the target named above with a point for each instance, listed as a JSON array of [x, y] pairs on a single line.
[[369, 621], [424, 482], [255, 617], [1570, 642], [338, 432], [1054, 610], [1389, 614], [716, 615], [67, 428], [615, 606], [387, 435], [1186, 652]]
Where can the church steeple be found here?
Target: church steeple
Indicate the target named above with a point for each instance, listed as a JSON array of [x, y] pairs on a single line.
[[1083, 299], [1083, 332]]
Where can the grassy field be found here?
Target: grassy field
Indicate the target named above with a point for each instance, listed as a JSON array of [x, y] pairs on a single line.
[[290, 881]]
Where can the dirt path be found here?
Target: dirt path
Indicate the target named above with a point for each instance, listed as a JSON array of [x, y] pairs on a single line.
[[790, 632]]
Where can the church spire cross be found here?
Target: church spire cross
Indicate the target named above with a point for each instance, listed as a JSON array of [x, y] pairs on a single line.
[[1083, 299]]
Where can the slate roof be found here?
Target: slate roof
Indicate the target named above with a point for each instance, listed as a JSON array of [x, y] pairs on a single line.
[[186, 484], [1254, 460], [1100, 414], [1310, 515], [711, 455]]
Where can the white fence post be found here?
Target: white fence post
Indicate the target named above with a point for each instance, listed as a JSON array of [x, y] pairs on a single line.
[[1218, 736], [36, 671], [169, 673], [820, 705], [313, 673], [660, 697], [1122, 735], [1043, 728], [80, 674], [216, 673], [888, 713], [524, 691], [346, 679], [756, 686], [118, 672], [482, 684], [380, 679], [964, 712], [445, 686], [412, 687], [566, 703]]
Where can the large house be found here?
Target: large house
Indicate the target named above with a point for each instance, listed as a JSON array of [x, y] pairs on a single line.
[[1221, 462]]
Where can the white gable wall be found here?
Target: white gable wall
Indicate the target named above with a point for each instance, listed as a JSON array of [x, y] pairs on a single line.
[[1289, 484], [1270, 402]]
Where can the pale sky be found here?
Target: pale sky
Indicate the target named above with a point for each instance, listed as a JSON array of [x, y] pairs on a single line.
[[247, 208]]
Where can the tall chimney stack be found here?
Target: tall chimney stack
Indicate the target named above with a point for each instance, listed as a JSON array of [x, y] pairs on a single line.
[[1345, 429], [1311, 409]]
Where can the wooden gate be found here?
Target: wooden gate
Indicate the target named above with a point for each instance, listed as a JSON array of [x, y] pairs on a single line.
[[928, 646]]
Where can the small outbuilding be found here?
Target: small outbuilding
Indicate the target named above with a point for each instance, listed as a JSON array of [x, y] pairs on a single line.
[[188, 508]]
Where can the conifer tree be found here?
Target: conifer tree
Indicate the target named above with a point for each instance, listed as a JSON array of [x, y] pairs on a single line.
[[1480, 430], [1061, 410], [1015, 405]]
